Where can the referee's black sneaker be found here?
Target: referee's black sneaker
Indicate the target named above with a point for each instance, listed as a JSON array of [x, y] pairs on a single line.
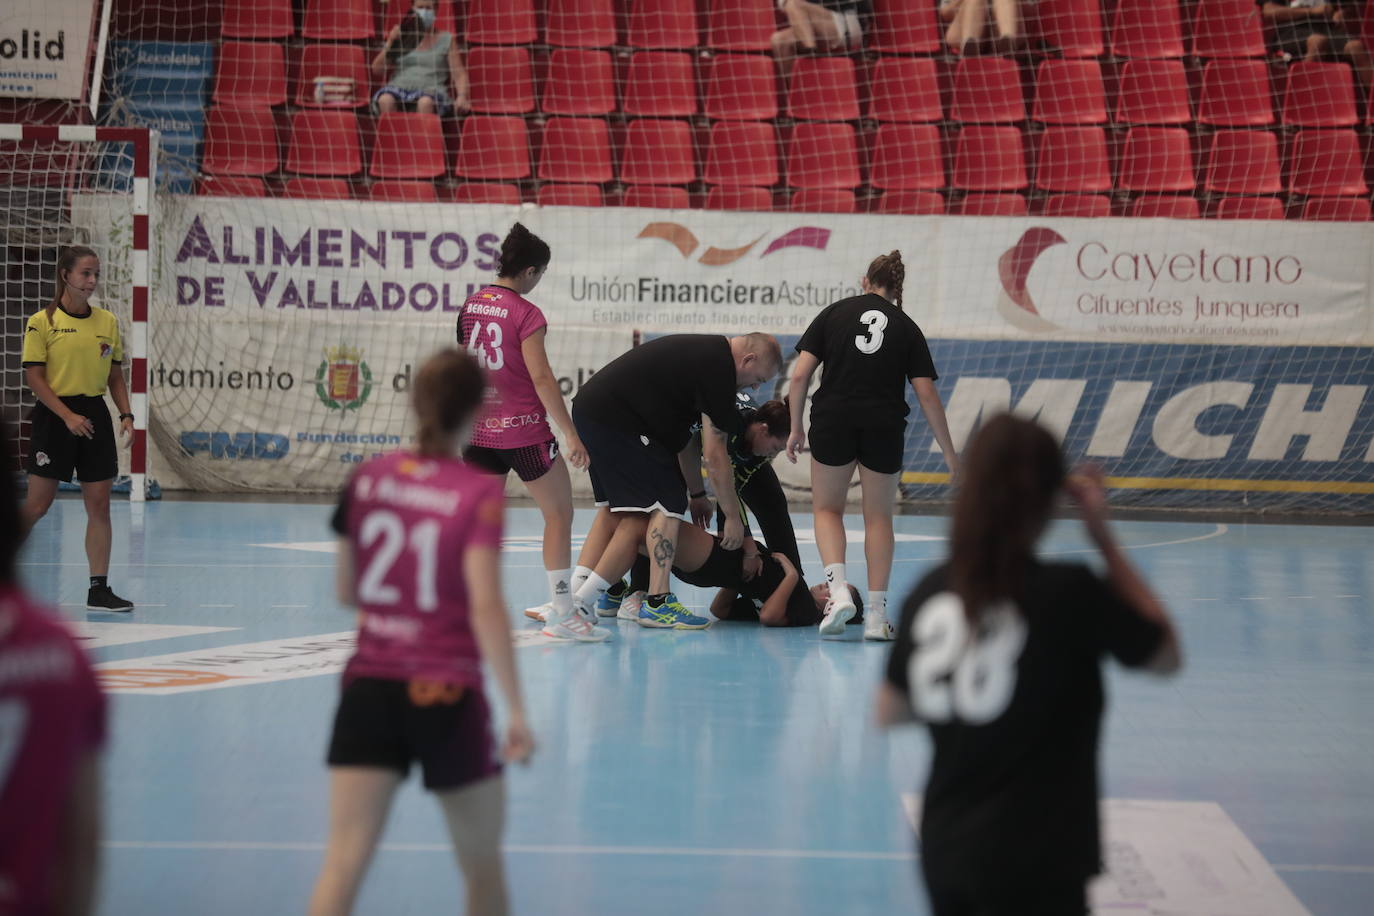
[[103, 598]]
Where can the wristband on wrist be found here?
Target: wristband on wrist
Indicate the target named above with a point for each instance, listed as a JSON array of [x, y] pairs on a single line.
[[126, 416], [697, 495]]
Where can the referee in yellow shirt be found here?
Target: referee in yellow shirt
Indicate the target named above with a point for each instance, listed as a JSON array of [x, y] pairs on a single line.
[[72, 353]]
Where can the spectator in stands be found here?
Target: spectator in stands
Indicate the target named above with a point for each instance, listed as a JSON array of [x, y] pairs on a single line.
[[427, 63], [824, 25], [1314, 30], [968, 19]]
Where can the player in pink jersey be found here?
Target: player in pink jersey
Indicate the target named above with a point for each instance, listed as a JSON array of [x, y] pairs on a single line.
[[52, 725], [505, 332], [419, 557]]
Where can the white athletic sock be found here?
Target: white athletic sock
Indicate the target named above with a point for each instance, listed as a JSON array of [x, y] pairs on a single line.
[[877, 603], [579, 576], [591, 589], [839, 585], [560, 589]]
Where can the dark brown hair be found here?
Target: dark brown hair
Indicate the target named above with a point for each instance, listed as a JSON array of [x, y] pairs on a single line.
[[776, 417], [1011, 471], [888, 271], [448, 390], [521, 250], [10, 534], [66, 261]]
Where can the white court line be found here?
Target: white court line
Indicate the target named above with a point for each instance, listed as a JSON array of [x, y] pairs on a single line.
[[290, 605], [136, 606], [215, 605], [533, 849], [1217, 532], [1337, 869]]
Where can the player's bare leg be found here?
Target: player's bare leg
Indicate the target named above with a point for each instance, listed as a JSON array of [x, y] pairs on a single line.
[[829, 490], [661, 609], [359, 800], [553, 494], [879, 497], [476, 817]]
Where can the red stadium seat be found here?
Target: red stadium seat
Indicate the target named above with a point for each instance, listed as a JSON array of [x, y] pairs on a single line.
[[1248, 208], [409, 145], [419, 192], [658, 152], [1235, 93], [907, 157], [991, 205], [989, 159], [1319, 94], [1227, 28], [570, 195], [1156, 159], [317, 188], [822, 200], [257, 19], [324, 143], [250, 74], [1326, 163], [337, 65], [444, 18], [579, 83], [240, 141], [725, 197], [987, 90], [1336, 209], [494, 147], [743, 154], [904, 89], [823, 89], [1243, 162], [576, 150], [912, 203], [823, 156], [1069, 92], [1073, 27], [500, 22], [1153, 92], [1166, 206], [1084, 206], [742, 87], [230, 186], [580, 24], [904, 27], [339, 20], [661, 84], [1073, 159], [657, 197], [500, 80], [484, 192], [741, 25], [663, 24], [1147, 28]]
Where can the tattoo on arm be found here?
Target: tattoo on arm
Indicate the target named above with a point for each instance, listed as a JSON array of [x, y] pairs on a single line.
[[663, 550]]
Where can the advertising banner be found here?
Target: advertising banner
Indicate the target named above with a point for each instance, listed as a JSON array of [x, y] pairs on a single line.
[[44, 46]]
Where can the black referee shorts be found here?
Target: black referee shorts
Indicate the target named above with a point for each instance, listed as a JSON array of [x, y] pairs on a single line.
[[631, 473], [55, 453], [837, 440]]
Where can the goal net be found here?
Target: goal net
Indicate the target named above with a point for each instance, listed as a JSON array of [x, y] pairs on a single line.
[[1145, 223]]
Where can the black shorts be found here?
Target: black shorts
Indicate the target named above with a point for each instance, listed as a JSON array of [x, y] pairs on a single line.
[[530, 462], [947, 898], [55, 453], [837, 440], [631, 473], [388, 724]]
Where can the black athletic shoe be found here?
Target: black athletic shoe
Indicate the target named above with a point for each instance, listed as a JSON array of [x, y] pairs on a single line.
[[102, 598]]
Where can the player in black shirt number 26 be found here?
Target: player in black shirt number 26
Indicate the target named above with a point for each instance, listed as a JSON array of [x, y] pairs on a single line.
[[1000, 655], [870, 349]]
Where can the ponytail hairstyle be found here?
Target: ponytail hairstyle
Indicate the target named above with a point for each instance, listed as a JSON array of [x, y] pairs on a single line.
[[888, 271], [776, 417], [1011, 472], [448, 390], [66, 261], [521, 250]]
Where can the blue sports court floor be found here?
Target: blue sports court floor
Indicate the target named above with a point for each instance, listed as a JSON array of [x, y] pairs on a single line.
[[733, 771]]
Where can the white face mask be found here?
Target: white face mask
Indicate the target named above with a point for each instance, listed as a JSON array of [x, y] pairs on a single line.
[[426, 17]]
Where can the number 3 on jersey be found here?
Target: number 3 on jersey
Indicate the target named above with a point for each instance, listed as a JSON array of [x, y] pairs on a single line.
[[488, 356], [951, 677], [871, 341]]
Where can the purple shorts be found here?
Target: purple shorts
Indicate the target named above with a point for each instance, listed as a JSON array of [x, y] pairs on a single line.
[[388, 724], [531, 462]]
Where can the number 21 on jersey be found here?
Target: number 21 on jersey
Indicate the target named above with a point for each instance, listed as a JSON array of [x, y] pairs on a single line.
[[871, 341], [952, 676], [387, 531]]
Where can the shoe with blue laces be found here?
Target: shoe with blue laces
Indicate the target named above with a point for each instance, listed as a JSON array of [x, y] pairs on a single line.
[[670, 614]]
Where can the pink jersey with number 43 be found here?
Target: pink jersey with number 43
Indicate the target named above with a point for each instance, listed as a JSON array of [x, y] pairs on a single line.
[[410, 521], [52, 715], [492, 327]]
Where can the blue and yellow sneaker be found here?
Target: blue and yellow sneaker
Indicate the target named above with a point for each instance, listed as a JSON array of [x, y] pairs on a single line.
[[608, 605], [671, 614]]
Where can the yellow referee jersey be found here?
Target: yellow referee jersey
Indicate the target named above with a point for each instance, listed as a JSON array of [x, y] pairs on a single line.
[[77, 351]]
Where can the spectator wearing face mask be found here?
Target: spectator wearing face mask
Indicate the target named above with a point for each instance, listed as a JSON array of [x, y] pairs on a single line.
[[425, 64]]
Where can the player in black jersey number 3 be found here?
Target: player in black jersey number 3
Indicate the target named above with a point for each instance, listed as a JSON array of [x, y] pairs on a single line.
[[1000, 655]]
